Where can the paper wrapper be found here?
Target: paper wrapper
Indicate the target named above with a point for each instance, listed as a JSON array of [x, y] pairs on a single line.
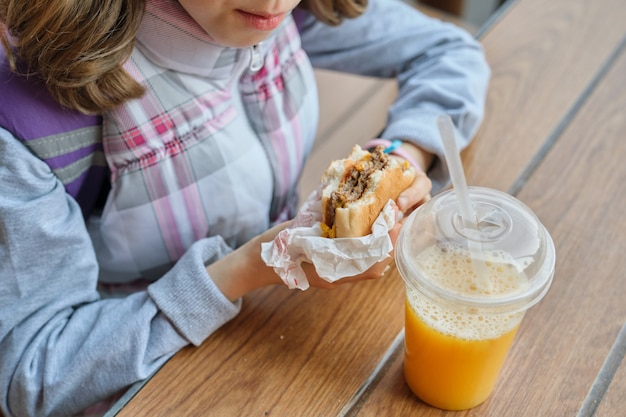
[[333, 259]]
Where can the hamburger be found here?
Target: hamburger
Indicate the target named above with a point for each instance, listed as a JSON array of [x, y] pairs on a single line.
[[356, 189]]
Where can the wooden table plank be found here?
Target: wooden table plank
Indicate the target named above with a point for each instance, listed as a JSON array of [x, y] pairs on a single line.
[[613, 404], [607, 394], [542, 58], [287, 353], [578, 192]]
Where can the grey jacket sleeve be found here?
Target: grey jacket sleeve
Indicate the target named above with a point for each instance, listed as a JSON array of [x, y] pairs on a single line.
[[440, 68], [62, 348]]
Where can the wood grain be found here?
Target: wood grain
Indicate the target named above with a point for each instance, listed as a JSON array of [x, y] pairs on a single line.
[[542, 57], [576, 192], [612, 405], [287, 353]]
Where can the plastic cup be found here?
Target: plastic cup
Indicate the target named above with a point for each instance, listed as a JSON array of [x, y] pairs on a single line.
[[458, 331]]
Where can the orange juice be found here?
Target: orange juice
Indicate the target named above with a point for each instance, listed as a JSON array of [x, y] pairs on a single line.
[[453, 355], [470, 277]]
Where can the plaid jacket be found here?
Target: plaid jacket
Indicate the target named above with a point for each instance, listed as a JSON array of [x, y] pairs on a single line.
[[216, 154]]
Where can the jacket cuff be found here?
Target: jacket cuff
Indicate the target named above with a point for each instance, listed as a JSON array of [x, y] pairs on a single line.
[[187, 296]]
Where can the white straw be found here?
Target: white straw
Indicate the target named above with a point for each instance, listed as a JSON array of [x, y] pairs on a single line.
[[455, 166]]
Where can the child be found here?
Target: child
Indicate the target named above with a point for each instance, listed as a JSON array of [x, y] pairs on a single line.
[[151, 146]]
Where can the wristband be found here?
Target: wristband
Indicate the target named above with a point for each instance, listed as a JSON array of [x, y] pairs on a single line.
[[393, 148]]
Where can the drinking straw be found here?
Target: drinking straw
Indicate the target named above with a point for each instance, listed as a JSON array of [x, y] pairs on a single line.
[[468, 216]]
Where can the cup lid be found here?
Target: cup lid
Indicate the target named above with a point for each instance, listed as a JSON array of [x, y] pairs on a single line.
[[507, 260]]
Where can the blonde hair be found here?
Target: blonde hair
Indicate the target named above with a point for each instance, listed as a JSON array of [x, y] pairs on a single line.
[[78, 47]]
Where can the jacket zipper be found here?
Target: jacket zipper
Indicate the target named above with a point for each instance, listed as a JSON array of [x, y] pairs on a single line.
[[256, 59]]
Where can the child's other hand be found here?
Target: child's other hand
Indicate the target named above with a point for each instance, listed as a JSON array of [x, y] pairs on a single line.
[[376, 271], [315, 281], [419, 192], [416, 194], [243, 270]]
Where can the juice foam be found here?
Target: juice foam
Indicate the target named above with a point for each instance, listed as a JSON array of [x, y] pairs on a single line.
[[451, 268]]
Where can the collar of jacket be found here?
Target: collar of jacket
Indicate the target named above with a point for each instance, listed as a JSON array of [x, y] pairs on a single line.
[[170, 38]]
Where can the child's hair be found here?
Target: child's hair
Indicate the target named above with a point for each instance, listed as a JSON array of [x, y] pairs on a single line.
[[78, 47], [332, 12]]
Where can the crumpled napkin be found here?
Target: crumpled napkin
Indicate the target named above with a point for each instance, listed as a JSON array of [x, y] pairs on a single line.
[[333, 259]]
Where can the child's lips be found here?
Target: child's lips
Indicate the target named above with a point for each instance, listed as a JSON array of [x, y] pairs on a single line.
[[261, 20]]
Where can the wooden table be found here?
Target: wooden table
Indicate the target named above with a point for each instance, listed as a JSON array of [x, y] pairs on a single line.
[[554, 135]]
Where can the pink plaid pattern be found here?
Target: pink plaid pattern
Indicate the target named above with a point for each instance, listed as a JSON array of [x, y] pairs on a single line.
[[204, 156]]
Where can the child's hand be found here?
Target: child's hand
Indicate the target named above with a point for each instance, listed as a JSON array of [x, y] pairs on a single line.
[[375, 272], [243, 270], [416, 195], [419, 192]]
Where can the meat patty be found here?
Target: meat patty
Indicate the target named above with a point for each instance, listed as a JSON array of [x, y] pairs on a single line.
[[355, 182]]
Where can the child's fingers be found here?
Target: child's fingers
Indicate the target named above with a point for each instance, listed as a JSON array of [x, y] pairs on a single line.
[[417, 194]]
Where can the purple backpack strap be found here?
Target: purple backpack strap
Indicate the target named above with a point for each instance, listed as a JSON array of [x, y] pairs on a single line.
[[68, 141]]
